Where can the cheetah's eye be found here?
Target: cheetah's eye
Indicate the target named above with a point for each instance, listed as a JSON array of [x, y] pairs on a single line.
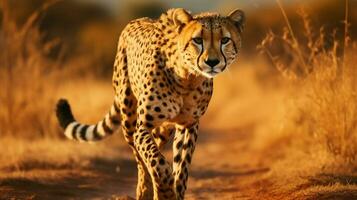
[[225, 40], [197, 40]]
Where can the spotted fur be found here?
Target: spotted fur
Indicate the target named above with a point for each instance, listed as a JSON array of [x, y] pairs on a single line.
[[163, 83]]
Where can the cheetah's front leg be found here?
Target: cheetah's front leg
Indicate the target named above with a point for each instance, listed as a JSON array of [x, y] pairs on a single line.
[[183, 148], [159, 169]]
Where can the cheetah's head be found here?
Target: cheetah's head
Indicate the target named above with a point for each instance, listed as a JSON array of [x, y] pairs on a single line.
[[209, 42]]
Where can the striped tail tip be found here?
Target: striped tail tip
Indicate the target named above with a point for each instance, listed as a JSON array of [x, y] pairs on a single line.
[[64, 113]]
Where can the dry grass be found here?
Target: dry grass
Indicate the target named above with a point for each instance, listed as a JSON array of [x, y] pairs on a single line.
[[23, 160], [318, 130], [31, 78], [28, 78]]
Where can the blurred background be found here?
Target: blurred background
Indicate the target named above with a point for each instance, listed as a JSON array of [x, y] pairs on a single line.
[[293, 86]]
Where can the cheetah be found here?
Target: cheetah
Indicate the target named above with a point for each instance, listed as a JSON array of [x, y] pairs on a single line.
[[163, 83]]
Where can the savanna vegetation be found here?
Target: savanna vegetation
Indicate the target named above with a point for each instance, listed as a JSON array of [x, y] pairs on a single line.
[[282, 123]]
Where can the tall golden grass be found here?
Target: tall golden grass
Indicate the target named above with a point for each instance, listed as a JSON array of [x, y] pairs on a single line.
[[319, 127], [28, 78]]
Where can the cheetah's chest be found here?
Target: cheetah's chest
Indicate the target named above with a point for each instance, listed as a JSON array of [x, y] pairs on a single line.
[[194, 105]]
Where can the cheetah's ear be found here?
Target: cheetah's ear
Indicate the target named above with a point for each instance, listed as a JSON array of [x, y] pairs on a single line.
[[238, 17], [181, 17]]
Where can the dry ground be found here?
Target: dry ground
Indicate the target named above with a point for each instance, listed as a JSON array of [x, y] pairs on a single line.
[[217, 171], [224, 167]]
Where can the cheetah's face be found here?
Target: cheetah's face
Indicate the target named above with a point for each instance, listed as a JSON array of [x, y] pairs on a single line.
[[210, 42]]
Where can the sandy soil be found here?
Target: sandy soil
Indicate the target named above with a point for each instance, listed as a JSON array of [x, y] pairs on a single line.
[[223, 167]]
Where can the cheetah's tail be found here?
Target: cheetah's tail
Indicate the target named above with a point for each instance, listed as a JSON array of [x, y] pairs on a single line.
[[82, 132]]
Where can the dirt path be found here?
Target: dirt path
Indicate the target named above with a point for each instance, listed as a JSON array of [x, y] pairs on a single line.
[[223, 166]]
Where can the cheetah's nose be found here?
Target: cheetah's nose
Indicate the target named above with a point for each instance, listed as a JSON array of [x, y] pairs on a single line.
[[212, 62]]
